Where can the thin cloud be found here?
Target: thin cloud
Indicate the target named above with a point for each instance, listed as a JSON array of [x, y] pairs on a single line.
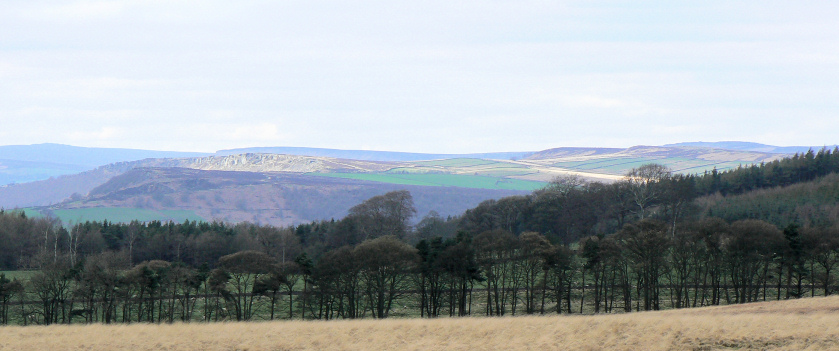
[[426, 77]]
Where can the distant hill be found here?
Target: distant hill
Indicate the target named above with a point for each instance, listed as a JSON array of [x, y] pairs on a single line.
[[464, 173], [83, 156], [572, 152], [288, 185], [526, 173], [268, 198], [748, 146], [680, 159], [17, 171], [26, 163], [54, 190], [367, 155]]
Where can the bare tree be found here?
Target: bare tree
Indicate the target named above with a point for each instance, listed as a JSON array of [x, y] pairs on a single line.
[[245, 267], [280, 243], [9, 288], [52, 286], [132, 233], [534, 247], [385, 263], [647, 244], [494, 253], [823, 248], [644, 185], [386, 214], [748, 249], [565, 183]]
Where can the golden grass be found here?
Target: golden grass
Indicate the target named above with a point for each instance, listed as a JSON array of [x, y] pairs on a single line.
[[807, 324]]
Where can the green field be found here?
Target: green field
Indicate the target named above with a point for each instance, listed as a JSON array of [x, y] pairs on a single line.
[[456, 180], [457, 162], [32, 213], [29, 212], [20, 275], [489, 172], [479, 167], [124, 215], [624, 164], [609, 165], [506, 172]]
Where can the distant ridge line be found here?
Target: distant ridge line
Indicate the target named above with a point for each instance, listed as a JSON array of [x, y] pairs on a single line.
[[371, 155]]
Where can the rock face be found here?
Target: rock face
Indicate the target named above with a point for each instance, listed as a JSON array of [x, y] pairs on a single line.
[[272, 163]]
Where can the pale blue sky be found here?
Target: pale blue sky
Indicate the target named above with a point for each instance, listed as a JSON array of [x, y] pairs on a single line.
[[430, 76]]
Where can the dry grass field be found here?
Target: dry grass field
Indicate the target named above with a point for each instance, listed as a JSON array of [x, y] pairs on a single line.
[[806, 324]]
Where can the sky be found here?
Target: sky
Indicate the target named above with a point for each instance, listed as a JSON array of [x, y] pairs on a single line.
[[421, 76]]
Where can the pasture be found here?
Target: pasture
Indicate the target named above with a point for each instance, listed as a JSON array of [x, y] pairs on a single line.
[[20, 275], [804, 324], [432, 179], [621, 165], [458, 162]]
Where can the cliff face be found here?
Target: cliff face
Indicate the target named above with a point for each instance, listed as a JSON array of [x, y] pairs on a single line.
[[252, 162]]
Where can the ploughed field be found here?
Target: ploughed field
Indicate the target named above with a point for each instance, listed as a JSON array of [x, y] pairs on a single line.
[[805, 324]]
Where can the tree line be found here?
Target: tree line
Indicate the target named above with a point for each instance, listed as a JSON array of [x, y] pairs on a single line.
[[782, 172], [643, 266], [642, 243]]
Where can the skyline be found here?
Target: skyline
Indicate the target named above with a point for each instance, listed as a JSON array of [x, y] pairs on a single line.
[[435, 77], [730, 145]]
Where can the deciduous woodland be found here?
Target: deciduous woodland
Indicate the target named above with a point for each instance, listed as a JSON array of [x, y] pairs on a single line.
[[653, 241]]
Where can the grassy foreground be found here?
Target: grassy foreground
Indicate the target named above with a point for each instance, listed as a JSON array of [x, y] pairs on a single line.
[[806, 324]]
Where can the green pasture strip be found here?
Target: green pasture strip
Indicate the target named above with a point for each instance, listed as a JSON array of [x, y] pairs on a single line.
[[29, 212], [456, 162], [456, 180], [499, 172], [491, 172], [699, 169], [623, 164], [124, 215], [496, 164], [416, 170], [612, 164], [20, 275], [32, 213], [379, 177]]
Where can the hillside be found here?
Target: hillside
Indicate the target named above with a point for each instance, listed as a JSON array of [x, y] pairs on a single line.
[[26, 163], [259, 197], [369, 155], [55, 190], [602, 164], [755, 147], [805, 324], [681, 159], [491, 176], [810, 203]]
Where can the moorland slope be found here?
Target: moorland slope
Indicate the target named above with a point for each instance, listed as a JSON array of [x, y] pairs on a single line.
[[260, 197]]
